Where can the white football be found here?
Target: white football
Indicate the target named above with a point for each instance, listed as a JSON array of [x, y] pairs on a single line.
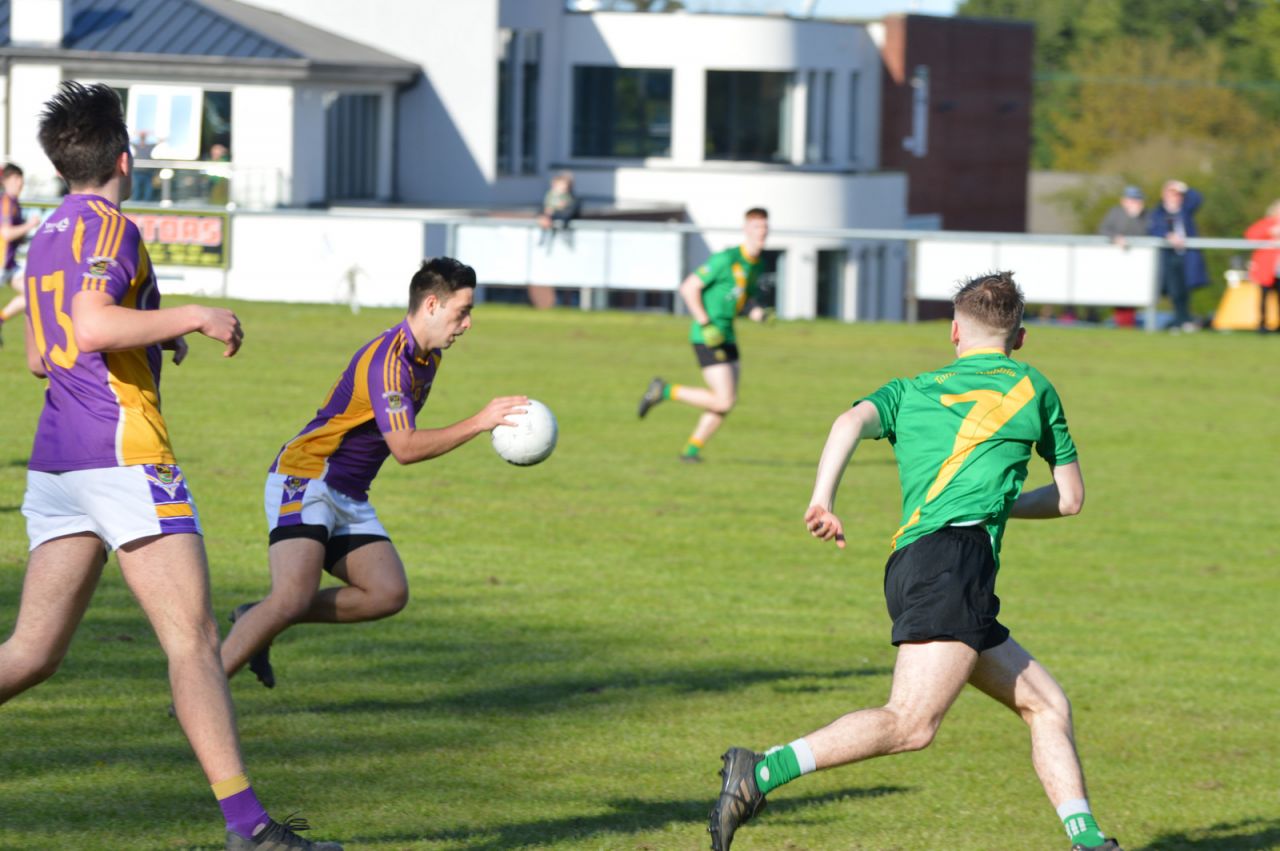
[[532, 437]]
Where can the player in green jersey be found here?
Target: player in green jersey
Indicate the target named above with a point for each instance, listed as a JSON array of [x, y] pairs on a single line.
[[963, 436], [717, 292]]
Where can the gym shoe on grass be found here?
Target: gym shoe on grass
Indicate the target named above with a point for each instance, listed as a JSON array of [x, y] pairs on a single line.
[[740, 798], [652, 396], [260, 662], [275, 836], [1109, 845]]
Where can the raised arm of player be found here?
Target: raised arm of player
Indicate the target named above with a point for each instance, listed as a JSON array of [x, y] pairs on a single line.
[[1063, 498], [862, 420], [409, 446], [101, 325], [691, 292]]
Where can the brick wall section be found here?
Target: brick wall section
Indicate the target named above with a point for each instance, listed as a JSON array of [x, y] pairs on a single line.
[[975, 172]]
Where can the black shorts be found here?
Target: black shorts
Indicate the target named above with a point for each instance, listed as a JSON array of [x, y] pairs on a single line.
[[335, 548], [942, 588], [728, 353]]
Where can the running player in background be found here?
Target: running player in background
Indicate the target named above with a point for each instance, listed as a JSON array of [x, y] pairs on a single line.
[[718, 291], [317, 495], [102, 474], [13, 229], [963, 436]]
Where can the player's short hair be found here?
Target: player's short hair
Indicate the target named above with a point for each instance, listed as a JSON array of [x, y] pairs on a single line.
[[442, 276], [756, 213], [10, 170], [994, 301], [83, 133]]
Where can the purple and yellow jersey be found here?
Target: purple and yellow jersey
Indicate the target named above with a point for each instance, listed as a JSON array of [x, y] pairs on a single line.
[[379, 392], [101, 409], [10, 214]]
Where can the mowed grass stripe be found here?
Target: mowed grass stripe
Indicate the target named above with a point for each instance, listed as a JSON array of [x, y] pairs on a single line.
[[586, 636]]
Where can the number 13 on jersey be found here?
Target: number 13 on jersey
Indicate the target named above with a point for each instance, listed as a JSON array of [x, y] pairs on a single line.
[[60, 355]]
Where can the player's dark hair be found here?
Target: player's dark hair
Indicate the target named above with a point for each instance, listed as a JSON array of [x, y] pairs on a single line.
[[994, 301], [9, 171], [441, 276], [83, 133], [756, 213]]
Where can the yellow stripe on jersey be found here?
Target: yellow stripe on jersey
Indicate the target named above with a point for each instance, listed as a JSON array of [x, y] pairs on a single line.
[[307, 454], [990, 412], [77, 240], [290, 508], [393, 382], [174, 509], [141, 436]]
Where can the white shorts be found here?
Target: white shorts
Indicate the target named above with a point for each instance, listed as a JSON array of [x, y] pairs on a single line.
[[291, 501], [118, 504]]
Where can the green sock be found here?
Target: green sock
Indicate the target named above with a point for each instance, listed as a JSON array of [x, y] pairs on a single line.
[[782, 765], [666, 390], [1083, 830], [692, 448]]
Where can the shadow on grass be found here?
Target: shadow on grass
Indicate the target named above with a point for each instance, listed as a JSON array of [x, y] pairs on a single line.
[[625, 816], [552, 694], [1255, 834]]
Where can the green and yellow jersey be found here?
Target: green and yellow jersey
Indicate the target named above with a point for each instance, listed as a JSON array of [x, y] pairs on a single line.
[[728, 280], [963, 436]]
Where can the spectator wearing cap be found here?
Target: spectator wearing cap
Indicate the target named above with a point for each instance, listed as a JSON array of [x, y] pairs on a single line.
[[1130, 217], [1182, 269]]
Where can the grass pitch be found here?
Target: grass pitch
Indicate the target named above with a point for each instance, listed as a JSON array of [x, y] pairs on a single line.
[[586, 636]]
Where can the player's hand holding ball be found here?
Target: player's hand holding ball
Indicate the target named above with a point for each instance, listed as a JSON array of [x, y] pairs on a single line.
[[824, 525], [712, 336], [526, 436]]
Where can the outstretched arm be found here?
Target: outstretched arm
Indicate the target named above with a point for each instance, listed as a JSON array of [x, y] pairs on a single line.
[[862, 420], [1063, 498], [101, 325], [418, 444]]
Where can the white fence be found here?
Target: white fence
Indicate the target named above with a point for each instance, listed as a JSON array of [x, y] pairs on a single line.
[[367, 258]]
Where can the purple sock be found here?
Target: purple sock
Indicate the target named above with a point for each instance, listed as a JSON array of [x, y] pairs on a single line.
[[243, 813]]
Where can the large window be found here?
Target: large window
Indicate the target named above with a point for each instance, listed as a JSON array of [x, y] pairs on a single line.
[[506, 102], [351, 143], [621, 112], [530, 64], [817, 145], [748, 116], [519, 76], [855, 82]]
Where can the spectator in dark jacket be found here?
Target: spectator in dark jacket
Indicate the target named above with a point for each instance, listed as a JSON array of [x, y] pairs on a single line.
[[1182, 269]]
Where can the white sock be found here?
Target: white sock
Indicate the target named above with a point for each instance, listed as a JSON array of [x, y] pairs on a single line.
[[1074, 807], [804, 756]]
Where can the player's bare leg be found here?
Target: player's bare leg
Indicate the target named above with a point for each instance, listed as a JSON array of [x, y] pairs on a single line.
[[297, 565], [716, 400], [1009, 674], [60, 580], [15, 307], [169, 576], [376, 587], [927, 678]]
